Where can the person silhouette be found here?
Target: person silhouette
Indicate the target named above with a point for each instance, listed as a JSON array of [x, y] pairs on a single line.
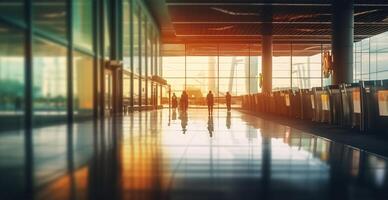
[[174, 101], [228, 120], [184, 101], [210, 102], [184, 119], [228, 101], [174, 114], [210, 125]]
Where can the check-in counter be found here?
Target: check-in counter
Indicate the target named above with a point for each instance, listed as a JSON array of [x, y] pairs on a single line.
[[307, 107], [335, 104], [351, 105], [320, 103], [296, 103], [382, 102], [287, 108], [369, 105]]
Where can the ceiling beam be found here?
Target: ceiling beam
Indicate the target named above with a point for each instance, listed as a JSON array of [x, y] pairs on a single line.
[[250, 22], [244, 4], [268, 4]]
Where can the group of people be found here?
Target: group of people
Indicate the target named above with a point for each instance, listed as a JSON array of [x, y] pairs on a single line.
[[184, 102]]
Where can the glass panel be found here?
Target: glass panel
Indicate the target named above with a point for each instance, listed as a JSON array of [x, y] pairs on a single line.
[[382, 62], [126, 89], [202, 66], [12, 8], [281, 66], [83, 85], [365, 63], [173, 66], [106, 29], [11, 77], [156, 55], [49, 81], [83, 24], [136, 90], [50, 16], [143, 92], [143, 45], [126, 34], [306, 66], [149, 88], [136, 41], [149, 50]]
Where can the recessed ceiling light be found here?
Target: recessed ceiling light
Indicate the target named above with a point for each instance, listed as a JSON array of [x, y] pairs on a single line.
[[221, 28], [234, 13], [55, 15]]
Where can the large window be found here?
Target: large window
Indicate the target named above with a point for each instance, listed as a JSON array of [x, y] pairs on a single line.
[[83, 24], [127, 34], [281, 66], [16, 11], [371, 58], [11, 76], [306, 65], [136, 40], [82, 85], [50, 17], [49, 80]]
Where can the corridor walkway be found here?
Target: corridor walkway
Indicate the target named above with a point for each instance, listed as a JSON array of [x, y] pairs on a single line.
[[167, 155]]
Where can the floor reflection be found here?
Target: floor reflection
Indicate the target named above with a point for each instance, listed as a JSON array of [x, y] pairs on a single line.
[[146, 156]]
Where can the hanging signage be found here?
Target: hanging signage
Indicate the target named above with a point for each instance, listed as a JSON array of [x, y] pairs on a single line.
[[383, 102], [356, 101]]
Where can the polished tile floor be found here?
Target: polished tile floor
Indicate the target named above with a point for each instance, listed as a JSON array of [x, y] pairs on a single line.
[[168, 155]]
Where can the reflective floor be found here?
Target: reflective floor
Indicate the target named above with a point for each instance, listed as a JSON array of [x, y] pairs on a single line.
[[167, 155]]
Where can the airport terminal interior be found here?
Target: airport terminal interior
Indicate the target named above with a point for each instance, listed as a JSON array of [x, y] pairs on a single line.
[[194, 99]]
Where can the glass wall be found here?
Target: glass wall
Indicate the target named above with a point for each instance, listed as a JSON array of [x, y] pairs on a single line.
[[82, 85], [212, 67], [236, 68], [49, 17], [136, 39], [281, 66], [49, 81], [12, 82], [15, 12], [143, 56], [126, 34], [83, 24], [61, 78], [371, 58]]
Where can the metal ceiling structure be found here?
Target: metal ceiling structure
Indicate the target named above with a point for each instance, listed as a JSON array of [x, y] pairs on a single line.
[[242, 21]]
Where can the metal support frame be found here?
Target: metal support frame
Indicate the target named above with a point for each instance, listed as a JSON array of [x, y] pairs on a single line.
[[28, 68], [140, 57], [146, 61], [70, 117], [131, 51], [96, 64], [101, 53]]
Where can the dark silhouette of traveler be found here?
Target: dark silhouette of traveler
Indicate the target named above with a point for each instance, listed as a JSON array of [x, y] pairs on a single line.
[[174, 114], [210, 102], [210, 125], [184, 101], [174, 101], [228, 101], [228, 120], [184, 119]]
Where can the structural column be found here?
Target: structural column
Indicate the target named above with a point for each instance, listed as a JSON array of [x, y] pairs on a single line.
[[342, 40], [267, 62]]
